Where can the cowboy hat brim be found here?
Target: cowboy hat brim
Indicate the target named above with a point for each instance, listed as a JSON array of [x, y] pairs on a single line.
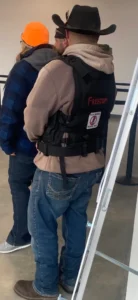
[[57, 20]]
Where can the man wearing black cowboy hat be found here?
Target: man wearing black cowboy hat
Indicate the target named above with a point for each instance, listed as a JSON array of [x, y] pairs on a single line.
[[60, 40], [67, 113]]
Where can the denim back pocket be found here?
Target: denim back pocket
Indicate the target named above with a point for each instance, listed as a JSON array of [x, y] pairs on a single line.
[[57, 191]]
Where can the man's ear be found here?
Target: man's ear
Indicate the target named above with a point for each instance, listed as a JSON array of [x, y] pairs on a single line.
[[65, 43]]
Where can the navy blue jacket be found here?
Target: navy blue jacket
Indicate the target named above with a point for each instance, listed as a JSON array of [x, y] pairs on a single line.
[[20, 82]]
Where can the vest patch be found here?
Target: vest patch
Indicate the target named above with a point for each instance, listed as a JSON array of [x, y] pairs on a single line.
[[93, 120]]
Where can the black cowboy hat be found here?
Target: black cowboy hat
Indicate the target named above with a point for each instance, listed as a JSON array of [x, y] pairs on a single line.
[[85, 20]]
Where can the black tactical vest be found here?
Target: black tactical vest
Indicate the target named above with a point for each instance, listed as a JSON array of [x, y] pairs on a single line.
[[85, 130]]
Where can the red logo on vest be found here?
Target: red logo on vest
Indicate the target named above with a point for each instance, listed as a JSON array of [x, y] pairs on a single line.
[[97, 101]]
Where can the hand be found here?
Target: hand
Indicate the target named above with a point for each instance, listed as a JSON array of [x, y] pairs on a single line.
[[13, 154]]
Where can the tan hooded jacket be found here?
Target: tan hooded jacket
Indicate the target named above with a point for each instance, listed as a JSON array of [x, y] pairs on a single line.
[[54, 90]]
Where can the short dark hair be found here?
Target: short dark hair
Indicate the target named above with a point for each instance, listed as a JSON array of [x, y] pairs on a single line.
[[60, 33]]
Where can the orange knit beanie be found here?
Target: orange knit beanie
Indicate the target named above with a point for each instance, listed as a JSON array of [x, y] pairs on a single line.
[[35, 34]]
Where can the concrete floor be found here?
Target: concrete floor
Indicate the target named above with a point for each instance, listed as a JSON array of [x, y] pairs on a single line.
[[106, 281]]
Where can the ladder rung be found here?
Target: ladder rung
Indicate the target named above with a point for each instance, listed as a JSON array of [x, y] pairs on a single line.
[[113, 261], [116, 262]]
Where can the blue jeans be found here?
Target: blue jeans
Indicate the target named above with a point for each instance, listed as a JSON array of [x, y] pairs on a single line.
[[49, 200], [21, 172]]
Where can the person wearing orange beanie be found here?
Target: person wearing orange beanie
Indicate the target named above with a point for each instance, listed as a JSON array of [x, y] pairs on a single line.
[[35, 53], [34, 34]]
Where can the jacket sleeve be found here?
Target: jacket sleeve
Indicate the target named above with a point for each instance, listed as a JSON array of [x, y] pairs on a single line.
[[14, 101], [41, 104]]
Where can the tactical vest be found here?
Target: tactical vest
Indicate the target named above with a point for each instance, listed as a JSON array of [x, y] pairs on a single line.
[[85, 129]]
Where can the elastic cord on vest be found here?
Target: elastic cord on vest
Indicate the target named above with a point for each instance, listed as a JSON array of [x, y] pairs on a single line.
[[63, 171], [62, 152]]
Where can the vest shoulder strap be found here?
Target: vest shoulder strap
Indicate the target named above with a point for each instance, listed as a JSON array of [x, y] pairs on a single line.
[[77, 64]]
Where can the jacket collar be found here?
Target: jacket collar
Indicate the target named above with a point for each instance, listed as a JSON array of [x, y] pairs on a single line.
[[32, 50]]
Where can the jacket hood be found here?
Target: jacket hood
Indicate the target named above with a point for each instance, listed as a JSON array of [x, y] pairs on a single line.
[[38, 57], [97, 56]]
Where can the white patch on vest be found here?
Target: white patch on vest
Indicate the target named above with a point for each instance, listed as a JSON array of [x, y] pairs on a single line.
[[93, 120]]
